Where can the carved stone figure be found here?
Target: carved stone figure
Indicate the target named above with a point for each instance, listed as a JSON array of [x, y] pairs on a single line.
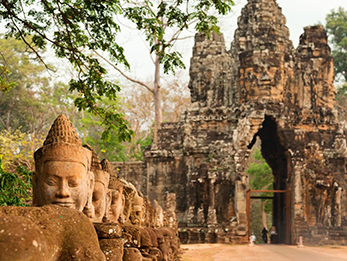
[[116, 203], [136, 215], [129, 192], [159, 217], [100, 191], [62, 170], [170, 209]]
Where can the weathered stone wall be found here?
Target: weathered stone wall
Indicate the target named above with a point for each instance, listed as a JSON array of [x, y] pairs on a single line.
[[134, 172]]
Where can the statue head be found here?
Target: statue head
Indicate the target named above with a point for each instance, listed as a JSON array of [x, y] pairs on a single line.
[[116, 201], [115, 198], [62, 169], [137, 210], [261, 76], [100, 191]]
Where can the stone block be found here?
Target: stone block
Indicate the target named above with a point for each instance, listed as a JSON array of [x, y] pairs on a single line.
[[132, 254], [108, 230], [112, 248]]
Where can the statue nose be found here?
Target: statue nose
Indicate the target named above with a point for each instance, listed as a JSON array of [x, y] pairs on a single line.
[[63, 191], [265, 76]]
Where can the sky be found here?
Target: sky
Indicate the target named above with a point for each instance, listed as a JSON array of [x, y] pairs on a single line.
[[299, 13]]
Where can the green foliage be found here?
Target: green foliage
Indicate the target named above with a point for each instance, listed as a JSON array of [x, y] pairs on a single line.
[[260, 173], [261, 177], [77, 29], [17, 148], [14, 187], [336, 26], [136, 150], [153, 20], [5, 85], [20, 105]]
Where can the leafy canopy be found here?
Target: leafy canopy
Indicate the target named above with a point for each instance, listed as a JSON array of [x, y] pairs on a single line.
[[77, 29], [336, 26]]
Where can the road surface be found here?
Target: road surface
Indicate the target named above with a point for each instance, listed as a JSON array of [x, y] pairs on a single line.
[[261, 252]]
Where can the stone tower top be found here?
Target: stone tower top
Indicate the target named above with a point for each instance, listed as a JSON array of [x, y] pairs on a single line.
[[262, 66], [209, 83], [262, 52]]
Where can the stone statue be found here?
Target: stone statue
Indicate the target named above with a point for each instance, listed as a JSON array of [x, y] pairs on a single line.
[[136, 214], [116, 203], [115, 200], [100, 192], [170, 209], [159, 216], [129, 192], [62, 170]]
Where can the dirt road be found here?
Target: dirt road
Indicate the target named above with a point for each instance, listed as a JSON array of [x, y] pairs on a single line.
[[262, 252]]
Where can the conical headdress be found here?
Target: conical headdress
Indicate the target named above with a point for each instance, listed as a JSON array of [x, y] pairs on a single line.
[[62, 144], [99, 174], [62, 131], [95, 159]]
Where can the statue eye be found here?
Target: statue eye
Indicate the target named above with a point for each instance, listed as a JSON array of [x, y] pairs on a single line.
[[51, 181], [72, 183]]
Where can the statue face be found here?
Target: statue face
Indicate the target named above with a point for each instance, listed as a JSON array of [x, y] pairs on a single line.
[[99, 201], [137, 210], [260, 77], [63, 183], [136, 215], [116, 204]]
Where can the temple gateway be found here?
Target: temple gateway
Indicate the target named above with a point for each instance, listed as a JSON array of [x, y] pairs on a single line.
[[262, 88]]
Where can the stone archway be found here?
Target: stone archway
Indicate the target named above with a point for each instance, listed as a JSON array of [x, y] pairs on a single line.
[[277, 157]]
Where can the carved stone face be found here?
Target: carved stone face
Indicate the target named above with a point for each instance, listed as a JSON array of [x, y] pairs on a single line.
[[116, 206], [99, 200], [137, 210], [261, 78], [64, 183]]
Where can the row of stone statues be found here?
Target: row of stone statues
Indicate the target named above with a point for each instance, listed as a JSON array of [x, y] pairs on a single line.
[[69, 175]]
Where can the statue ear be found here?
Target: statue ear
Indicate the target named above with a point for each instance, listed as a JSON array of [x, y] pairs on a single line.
[[91, 182], [108, 199], [89, 208], [35, 186]]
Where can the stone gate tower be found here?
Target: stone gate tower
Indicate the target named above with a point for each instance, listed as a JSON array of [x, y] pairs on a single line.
[[263, 88]]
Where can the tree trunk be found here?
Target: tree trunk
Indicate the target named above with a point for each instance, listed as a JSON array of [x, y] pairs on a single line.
[[156, 92]]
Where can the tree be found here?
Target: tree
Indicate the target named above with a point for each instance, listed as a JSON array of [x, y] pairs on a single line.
[[78, 29], [155, 21], [19, 104], [336, 26]]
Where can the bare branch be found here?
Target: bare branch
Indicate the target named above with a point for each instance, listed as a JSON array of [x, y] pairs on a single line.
[[177, 33], [123, 74], [29, 45]]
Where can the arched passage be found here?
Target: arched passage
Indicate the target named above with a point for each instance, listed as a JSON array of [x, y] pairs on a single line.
[[275, 155]]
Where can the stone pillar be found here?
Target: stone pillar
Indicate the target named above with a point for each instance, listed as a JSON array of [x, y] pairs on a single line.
[[211, 217], [240, 203], [298, 188]]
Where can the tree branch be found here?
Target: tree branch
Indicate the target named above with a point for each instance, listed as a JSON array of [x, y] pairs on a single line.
[[123, 74]]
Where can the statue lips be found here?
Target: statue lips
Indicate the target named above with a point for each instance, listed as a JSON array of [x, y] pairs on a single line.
[[64, 204]]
